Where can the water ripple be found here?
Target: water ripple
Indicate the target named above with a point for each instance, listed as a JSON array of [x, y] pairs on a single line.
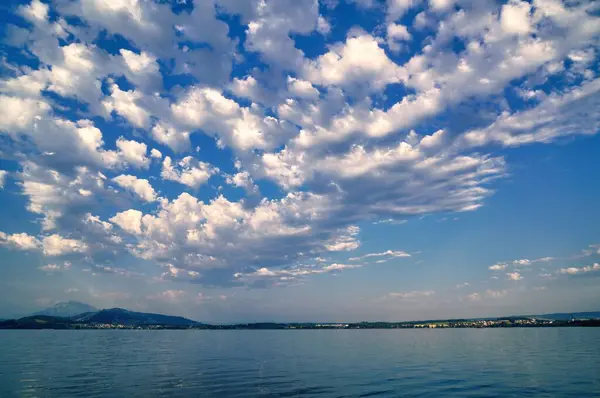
[[382, 363]]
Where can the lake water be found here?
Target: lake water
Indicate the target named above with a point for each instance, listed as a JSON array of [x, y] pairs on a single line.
[[558, 362]]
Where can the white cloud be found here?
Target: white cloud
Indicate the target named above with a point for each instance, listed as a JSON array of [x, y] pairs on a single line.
[[141, 69], [243, 180], [3, 174], [358, 64], [56, 245], [498, 267], [50, 267], [19, 241], [397, 8], [527, 262], [133, 152], [522, 262], [396, 34], [558, 115], [514, 276], [347, 241], [327, 129], [323, 26], [440, 5], [139, 186], [268, 32], [177, 140], [129, 220], [57, 196], [515, 17], [155, 153], [292, 274], [125, 103], [390, 221], [301, 88], [242, 128], [188, 171], [580, 270], [387, 253]]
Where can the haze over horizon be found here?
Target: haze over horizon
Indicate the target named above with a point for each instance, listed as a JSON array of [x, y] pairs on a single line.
[[301, 160]]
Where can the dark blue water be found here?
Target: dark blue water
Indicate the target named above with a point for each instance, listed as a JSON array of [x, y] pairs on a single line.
[[559, 362]]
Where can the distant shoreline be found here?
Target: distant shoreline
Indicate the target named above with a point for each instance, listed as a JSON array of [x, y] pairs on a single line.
[[58, 323]]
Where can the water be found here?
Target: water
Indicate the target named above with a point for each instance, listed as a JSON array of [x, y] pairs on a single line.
[[559, 362]]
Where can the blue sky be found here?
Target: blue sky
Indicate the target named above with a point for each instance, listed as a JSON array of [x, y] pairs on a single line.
[[298, 160]]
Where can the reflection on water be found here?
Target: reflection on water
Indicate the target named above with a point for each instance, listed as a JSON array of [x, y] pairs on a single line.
[[557, 362]]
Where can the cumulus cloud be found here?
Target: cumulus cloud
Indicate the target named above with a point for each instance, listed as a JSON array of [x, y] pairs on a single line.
[[56, 245], [139, 186], [358, 64], [361, 131], [188, 171], [19, 241], [129, 220]]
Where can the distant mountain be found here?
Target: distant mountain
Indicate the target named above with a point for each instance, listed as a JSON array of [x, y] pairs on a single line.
[[131, 318], [67, 309]]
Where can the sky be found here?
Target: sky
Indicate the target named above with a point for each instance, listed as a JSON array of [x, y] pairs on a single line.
[[300, 160]]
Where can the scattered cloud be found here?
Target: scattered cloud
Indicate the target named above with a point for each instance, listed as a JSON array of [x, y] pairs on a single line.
[[388, 253], [415, 294], [580, 270], [498, 267], [139, 186], [390, 221], [526, 262], [318, 144], [51, 267], [514, 276]]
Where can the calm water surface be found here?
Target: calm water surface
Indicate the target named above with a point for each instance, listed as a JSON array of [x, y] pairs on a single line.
[[560, 362]]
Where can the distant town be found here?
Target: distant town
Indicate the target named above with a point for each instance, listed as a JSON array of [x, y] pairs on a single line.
[[68, 316]]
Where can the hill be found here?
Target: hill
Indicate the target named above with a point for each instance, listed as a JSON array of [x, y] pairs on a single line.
[[125, 317], [67, 309], [37, 322]]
